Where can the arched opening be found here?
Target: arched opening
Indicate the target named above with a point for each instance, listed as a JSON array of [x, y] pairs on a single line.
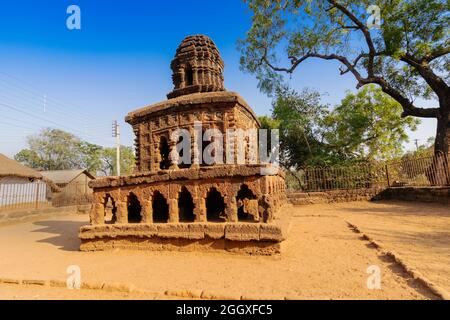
[[185, 206], [160, 208], [134, 209], [188, 76], [242, 199], [164, 151], [110, 210], [215, 206]]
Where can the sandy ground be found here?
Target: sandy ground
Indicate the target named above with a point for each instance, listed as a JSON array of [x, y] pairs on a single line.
[[322, 259], [15, 292], [419, 232]]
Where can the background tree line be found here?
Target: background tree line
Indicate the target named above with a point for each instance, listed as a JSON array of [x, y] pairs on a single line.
[[365, 126], [54, 149]]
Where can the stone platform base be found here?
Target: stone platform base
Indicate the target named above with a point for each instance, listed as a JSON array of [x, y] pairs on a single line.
[[245, 238]]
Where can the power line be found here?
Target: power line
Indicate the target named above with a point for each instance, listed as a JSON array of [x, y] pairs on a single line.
[[29, 95], [10, 106], [36, 90], [44, 99], [43, 119], [24, 105]]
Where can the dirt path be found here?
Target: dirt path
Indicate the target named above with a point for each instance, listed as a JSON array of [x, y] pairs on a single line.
[[322, 259], [419, 232]]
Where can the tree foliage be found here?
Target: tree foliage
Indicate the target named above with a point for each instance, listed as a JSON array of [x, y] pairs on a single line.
[[368, 125], [407, 56], [365, 126], [54, 149]]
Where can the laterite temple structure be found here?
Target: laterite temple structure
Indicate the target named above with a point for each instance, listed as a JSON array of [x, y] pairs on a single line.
[[167, 205]]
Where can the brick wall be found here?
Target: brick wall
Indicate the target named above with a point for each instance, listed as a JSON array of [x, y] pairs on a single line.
[[423, 194]]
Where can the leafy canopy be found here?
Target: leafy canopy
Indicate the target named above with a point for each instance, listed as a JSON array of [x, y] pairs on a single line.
[[365, 126], [407, 56], [54, 149]]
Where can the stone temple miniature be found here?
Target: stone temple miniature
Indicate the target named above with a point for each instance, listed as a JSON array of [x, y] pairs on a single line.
[[167, 204]]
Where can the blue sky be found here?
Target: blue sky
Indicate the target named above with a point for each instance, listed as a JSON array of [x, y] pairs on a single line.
[[81, 80]]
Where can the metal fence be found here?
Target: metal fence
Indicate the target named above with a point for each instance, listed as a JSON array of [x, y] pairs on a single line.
[[38, 195], [31, 195], [423, 171]]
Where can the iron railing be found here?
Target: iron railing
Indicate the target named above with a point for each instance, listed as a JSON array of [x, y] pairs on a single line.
[[410, 171], [421, 171]]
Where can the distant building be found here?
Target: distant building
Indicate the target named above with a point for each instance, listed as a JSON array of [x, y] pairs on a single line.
[[23, 187], [74, 186]]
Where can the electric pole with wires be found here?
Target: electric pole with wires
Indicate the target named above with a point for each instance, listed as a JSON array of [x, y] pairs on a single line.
[[116, 134]]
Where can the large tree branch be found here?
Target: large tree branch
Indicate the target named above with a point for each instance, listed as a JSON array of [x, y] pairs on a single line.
[[408, 107], [361, 26], [436, 53], [295, 62], [434, 81]]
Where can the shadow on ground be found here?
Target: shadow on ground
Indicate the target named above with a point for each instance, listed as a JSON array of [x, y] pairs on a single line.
[[66, 233]]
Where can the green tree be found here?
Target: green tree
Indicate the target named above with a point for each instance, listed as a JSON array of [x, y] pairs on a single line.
[[54, 149], [363, 127], [51, 149], [29, 158], [90, 156], [407, 56], [127, 160], [368, 125], [299, 118]]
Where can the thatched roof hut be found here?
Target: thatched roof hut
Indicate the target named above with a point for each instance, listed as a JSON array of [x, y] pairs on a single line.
[[10, 168]]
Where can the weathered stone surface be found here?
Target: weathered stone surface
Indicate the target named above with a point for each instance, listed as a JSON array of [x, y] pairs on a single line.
[[271, 232], [173, 230], [214, 230], [176, 244], [196, 231], [242, 232], [222, 199]]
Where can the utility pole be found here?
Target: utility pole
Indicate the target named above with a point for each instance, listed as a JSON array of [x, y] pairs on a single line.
[[116, 134], [417, 144]]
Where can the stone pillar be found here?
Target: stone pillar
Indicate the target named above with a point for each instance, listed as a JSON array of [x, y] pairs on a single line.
[[97, 214], [182, 78], [147, 212], [268, 208], [200, 209], [173, 211], [156, 157], [194, 75], [231, 209], [173, 155], [122, 212]]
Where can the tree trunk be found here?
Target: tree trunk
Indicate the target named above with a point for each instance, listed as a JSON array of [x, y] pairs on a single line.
[[441, 147], [443, 128]]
